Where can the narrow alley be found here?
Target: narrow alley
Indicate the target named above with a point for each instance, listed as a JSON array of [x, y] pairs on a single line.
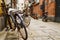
[[37, 30], [29, 19]]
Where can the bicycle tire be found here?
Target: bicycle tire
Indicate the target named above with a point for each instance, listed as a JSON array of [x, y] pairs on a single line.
[[22, 26], [9, 23]]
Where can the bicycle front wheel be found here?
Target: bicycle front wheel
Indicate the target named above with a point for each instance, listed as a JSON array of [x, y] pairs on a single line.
[[22, 29], [23, 32]]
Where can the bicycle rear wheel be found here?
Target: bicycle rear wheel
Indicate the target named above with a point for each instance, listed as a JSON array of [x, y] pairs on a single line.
[[9, 23]]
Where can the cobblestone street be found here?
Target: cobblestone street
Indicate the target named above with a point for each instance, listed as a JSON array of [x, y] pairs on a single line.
[[37, 30]]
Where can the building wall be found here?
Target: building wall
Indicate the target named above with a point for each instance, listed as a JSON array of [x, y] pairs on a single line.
[[36, 8], [6, 2], [20, 4], [50, 8], [0, 9]]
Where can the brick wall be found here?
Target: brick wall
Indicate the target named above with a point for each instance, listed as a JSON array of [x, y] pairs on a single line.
[[50, 7], [36, 8]]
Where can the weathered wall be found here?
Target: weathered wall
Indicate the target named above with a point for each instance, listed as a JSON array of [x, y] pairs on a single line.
[[20, 4], [51, 10], [6, 2], [0, 9], [50, 7], [36, 8]]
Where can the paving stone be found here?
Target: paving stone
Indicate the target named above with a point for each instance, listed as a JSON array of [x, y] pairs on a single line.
[[3, 35], [41, 33], [12, 35], [37, 38], [30, 38], [46, 38], [39, 30], [57, 38]]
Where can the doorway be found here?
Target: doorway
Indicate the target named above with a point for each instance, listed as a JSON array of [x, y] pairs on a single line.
[[57, 15]]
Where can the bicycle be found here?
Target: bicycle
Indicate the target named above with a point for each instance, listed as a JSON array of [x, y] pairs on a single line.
[[11, 22]]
